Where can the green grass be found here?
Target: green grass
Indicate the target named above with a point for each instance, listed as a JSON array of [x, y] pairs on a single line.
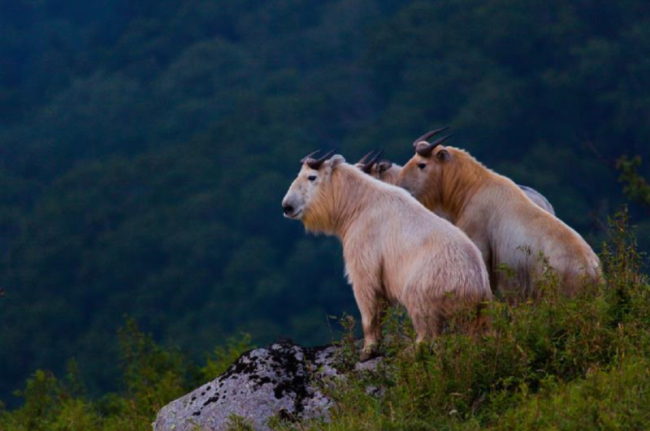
[[616, 398]]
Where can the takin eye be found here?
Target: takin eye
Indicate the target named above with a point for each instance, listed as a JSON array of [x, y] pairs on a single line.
[[312, 178], [422, 165]]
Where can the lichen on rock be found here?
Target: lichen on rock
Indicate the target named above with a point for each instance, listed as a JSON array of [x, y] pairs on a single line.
[[283, 380]]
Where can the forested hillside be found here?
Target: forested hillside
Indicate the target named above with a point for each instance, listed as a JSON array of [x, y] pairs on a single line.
[[145, 147]]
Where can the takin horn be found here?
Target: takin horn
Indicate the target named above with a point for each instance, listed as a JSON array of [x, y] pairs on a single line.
[[316, 163], [368, 166], [426, 151], [363, 159], [308, 156], [428, 135]]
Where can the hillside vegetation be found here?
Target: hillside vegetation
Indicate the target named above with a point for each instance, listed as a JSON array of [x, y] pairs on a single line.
[[570, 364], [145, 147]]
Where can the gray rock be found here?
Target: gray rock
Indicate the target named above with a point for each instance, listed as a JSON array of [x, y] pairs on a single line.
[[283, 380]]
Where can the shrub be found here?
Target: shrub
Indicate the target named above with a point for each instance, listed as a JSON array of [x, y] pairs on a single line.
[[152, 377]]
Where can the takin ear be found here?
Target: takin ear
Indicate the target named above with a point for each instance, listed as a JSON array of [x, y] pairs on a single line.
[[336, 160], [383, 166], [443, 155]]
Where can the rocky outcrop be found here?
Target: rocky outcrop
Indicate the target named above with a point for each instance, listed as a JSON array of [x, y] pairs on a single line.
[[283, 380]]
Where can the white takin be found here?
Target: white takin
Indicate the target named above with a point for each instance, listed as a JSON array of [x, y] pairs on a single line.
[[395, 250], [503, 222]]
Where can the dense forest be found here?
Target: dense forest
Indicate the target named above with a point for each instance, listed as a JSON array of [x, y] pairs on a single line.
[[145, 148]]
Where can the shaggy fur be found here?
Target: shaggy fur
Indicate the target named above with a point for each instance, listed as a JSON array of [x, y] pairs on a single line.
[[395, 250], [502, 221]]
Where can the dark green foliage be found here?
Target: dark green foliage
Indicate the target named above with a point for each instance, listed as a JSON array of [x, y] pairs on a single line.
[[636, 187], [615, 398], [152, 377], [145, 147], [224, 356]]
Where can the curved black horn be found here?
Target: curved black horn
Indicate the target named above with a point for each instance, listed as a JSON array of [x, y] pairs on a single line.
[[426, 151], [308, 156], [316, 163], [428, 135], [368, 166], [364, 158], [441, 140]]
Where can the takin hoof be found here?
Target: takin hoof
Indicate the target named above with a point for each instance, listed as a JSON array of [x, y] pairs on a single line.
[[368, 354]]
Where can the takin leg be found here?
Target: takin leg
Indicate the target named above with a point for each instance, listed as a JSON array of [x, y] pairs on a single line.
[[463, 315], [371, 306], [428, 326], [428, 323]]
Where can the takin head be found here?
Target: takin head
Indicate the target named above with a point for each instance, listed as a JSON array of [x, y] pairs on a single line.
[[423, 173], [309, 185]]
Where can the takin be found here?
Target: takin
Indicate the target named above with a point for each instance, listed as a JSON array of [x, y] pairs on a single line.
[[517, 238], [388, 172], [395, 250]]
